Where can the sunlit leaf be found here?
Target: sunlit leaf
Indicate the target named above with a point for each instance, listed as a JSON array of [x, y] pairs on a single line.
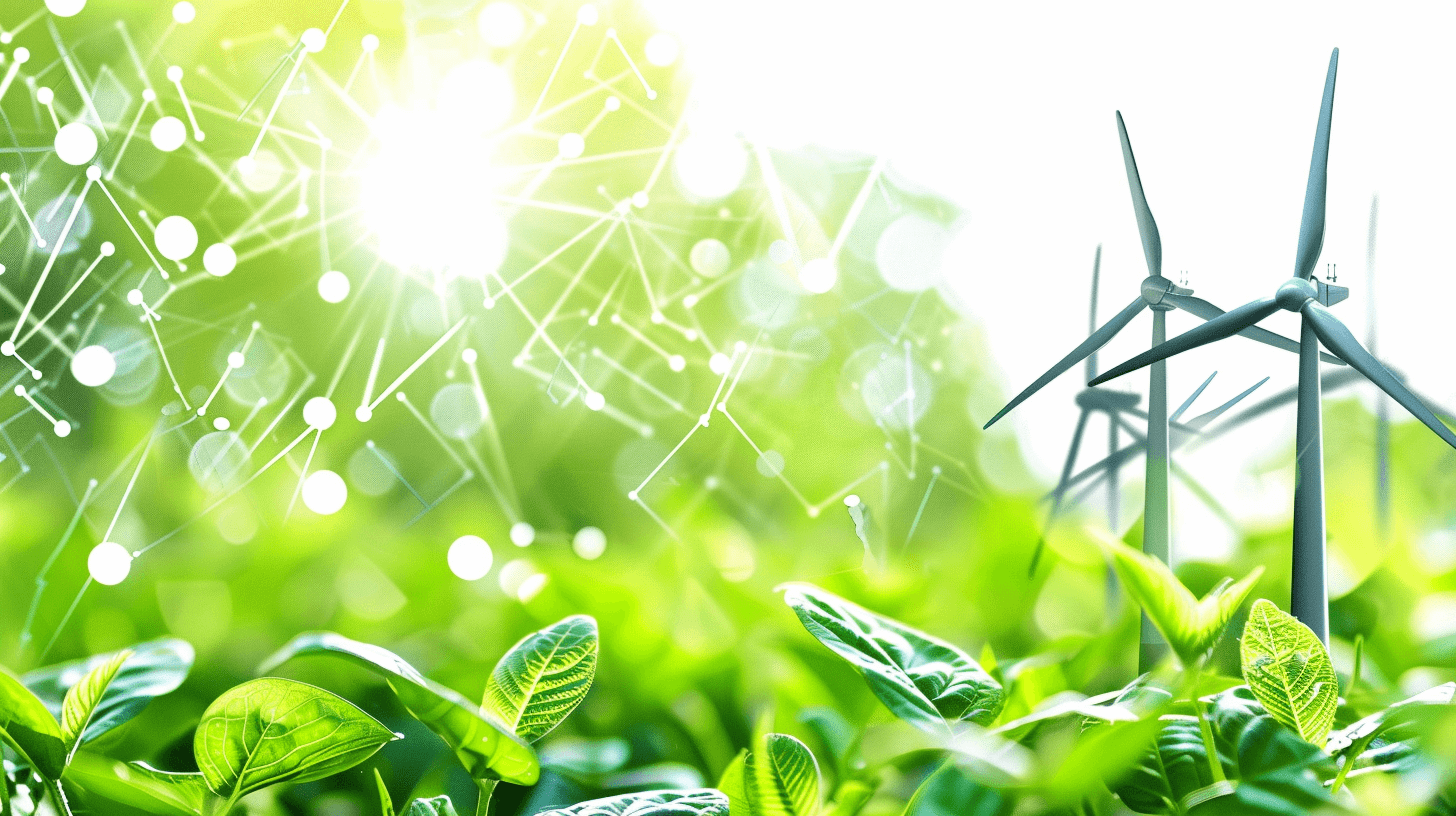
[[925, 681], [1191, 626], [82, 699], [734, 785], [30, 729], [386, 804], [438, 806], [1289, 672], [781, 777], [487, 748], [155, 668], [701, 802], [139, 785], [273, 730], [544, 677], [1371, 727]]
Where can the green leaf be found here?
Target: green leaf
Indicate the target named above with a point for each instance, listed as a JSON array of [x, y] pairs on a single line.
[[924, 681], [386, 804], [272, 730], [949, 791], [1190, 625], [439, 806], [139, 785], [543, 677], [30, 729], [487, 748], [699, 802], [1289, 672], [734, 785], [81, 701], [781, 777], [155, 668], [1373, 726]]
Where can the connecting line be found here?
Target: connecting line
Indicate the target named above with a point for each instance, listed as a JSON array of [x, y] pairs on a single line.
[[307, 462], [40, 580], [151, 320], [702, 422], [920, 511], [575, 27], [92, 174], [388, 465], [297, 56], [398, 381]]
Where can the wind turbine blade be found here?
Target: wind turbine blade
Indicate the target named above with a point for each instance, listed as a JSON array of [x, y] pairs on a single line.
[[1147, 227], [1188, 403], [1060, 491], [1202, 420], [1333, 333], [1338, 379], [1312, 224], [1097, 340], [1214, 330], [1370, 275], [1092, 316], [1198, 307]]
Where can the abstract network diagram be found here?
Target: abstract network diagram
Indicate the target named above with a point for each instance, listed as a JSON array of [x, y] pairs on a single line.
[[264, 266]]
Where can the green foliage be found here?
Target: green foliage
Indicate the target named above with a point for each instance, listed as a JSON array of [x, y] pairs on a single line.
[[83, 698], [438, 806], [155, 668], [272, 730], [1289, 672], [31, 730], [925, 681], [487, 748], [1190, 625], [781, 778], [544, 677], [702, 802], [386, 804], [141, 786]]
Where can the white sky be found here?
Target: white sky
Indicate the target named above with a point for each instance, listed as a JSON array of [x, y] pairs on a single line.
[[1007, 108]]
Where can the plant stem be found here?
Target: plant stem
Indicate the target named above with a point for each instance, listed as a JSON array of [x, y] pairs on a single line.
[[1215, 767], [58, 796], [487, 787], [1351, 755], [4, 792]]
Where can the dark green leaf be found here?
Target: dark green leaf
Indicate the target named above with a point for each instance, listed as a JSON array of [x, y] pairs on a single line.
[[30, 729], [700, 802], [1289, 672], [543, 677], [155, 668], [1176, 766], [439, 806], [487, 748], [386, 804], [924, 681], [950, 792], [272, 730], [139, 785]]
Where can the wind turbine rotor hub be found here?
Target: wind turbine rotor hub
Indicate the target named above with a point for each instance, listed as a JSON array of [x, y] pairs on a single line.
[[1154, 287], [1294, 293]]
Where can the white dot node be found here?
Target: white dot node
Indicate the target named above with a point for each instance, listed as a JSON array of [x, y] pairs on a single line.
[[134, 297], [718, 363], [221, 424], [469, 356], [640, 199], [314, 40], [21, 55], [676, 362], [523, 534], [93, 366], [370, 43], [184, 12], [662, 49], [613, 103], [501, 24], [320, 413], [589, 543], [65, 8], [176, 237], [62, 428], [76, 144], [469, 558], [658, 318], [818, 276], [107, 249], [333, 286], [587, 15], [710, 257], [594, 400], [7, 348], [236, 360], [93, 172], [324, 492], [220, 260], [363, 413], [168, 134], [45, 96], [149, 95], [570, 145], [109, 563], [174, 73]]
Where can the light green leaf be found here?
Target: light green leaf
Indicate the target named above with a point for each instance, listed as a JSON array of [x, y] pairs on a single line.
[[782, 777], [155, 668], [386, 804], [139, 785], [487, 748], [1289, 672], [1371, 727], [81, 701], [925, 681], [734, 785], [699, 802], [272, 730], [439, 806], [543, 677], [1190, 625], [27, 727]]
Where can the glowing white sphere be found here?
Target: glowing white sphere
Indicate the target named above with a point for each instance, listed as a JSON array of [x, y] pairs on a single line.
[[677, 362], [65, 8], [710, 166], [710, 257], [587, 15], [236, 359], [62, 428], [219, 260], [93, 366], [109, 563], [176, 238], [45, 95], [589, 543], [719, 362], [184, 12], [324, 492], [522, 534], [370, 43], [320, 413], [818, 276], [662, 49], [469, 558], [501, 24], [168, 134], [595, 400], [76, 144], [570, 145], [333, 286], [314, 40]]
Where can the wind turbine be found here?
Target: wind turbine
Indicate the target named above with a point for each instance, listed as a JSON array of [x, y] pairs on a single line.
[[1160, 295], [1307, 296]]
